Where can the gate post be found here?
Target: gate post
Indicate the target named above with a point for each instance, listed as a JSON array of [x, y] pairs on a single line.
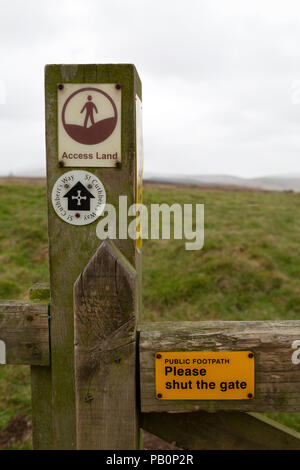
[[105, 352], [72, 247]]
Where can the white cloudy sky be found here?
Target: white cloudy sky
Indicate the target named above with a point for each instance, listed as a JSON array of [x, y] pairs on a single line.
[[221, 78]]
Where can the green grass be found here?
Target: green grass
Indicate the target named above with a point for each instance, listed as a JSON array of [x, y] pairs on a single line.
[[23, 239], [249, 268], [23, 261]]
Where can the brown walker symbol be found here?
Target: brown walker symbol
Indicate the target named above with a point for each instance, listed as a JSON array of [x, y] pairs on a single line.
[[97, 131], [89, 107]]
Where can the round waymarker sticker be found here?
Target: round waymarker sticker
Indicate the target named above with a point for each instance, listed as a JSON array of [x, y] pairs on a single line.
[[78, 197]]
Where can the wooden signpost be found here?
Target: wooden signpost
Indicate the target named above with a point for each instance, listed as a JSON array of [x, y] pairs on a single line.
[[99, 375], [73, 250]]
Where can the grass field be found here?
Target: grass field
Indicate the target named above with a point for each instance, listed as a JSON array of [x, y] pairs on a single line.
[[249, 268]]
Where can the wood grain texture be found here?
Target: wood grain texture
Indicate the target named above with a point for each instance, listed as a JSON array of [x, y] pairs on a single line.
[[71, 247], [41, 387], [221, 431], [277, 379], [105, 352], [24, 329], [41, 406]]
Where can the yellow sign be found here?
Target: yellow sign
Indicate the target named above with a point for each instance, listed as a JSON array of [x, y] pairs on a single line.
[[202, 375], [139, 169]]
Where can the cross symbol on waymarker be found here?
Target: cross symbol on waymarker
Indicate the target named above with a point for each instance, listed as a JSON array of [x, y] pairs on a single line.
[[79, 197]]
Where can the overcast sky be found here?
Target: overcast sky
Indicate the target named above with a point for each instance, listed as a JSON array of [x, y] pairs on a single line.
[[221, 78]]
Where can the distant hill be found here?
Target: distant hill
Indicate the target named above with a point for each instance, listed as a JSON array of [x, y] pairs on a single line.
[[271, 183], [288, 182]]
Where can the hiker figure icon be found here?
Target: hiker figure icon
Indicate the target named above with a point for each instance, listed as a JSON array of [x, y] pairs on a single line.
[[89, 115], [89, 107]]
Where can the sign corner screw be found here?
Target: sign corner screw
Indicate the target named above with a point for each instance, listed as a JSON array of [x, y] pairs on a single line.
[[88, 398]]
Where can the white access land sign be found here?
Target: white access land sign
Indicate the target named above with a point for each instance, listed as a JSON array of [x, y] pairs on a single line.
[[78, 197], [89, 124]]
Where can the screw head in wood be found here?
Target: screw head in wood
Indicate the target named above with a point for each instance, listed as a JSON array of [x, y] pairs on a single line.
[[251, 355], [159, 395], [118, 164], [118, 86], [60, 86], [250, 395], [77, 215], [158, 356], [88, 398], [61, 164]]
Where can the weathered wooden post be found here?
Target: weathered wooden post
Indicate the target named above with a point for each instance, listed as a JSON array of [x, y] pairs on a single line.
[[91, 153]]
